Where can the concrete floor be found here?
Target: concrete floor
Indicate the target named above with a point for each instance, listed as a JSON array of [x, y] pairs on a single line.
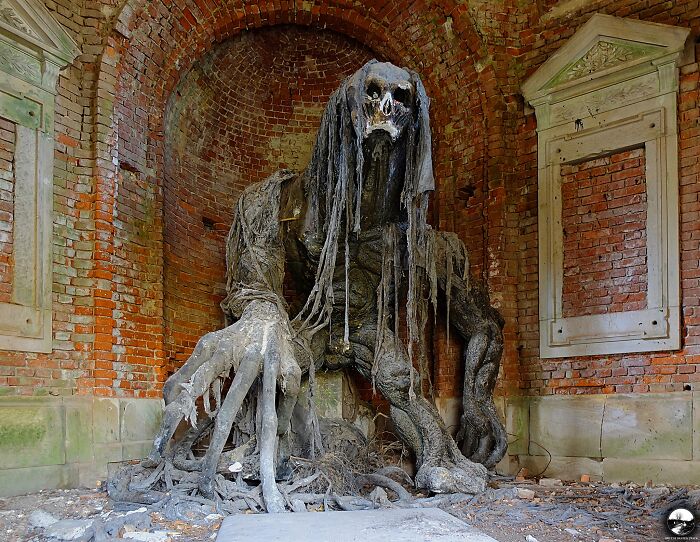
[[398, 525]]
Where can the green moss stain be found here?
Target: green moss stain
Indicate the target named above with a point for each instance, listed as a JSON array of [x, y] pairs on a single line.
[[21, 111], [20, 429]]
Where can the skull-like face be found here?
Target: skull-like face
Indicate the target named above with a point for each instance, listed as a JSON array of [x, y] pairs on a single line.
[[387, 99]]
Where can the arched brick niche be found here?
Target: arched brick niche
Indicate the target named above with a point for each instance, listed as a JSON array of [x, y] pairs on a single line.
[[152, 48], [249, 107]]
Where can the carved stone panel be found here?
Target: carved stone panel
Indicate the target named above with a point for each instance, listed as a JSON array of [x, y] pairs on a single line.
[[33, 47], [602, 56], [611, 89]]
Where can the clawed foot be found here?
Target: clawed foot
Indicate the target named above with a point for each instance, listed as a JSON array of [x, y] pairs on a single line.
[[206, 486], [152, 461], [468, 477]]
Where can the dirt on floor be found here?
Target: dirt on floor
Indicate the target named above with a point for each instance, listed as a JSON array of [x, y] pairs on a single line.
[[569, 512], [509, 511]]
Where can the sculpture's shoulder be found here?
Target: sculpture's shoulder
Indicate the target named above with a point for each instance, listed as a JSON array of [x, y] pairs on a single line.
[[269, 186], [259, 203]]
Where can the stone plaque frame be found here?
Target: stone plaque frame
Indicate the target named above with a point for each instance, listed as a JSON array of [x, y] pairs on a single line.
[[611, 88], [33, 48]]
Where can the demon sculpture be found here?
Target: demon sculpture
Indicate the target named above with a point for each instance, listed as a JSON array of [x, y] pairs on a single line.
[[351, 232]]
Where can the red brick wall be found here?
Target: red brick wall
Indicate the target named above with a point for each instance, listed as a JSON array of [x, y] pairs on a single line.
[[133, 302], [68, 369], [248, 108], [111, 180], [7, 181], [663, 371], [155, 45], [604, 214]]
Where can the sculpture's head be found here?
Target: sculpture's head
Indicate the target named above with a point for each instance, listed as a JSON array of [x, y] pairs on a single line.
[[379, 103], [384, 96]]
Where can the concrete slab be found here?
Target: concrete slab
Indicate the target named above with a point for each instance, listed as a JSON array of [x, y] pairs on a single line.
[[329, 394], [106, 420], [31, 434], [398, 525], [518, 424], [140, 419], [78, 420]]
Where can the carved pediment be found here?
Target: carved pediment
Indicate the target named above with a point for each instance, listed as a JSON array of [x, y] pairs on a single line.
[[10, 17], [602, 56], [29, 26], [603, 46]]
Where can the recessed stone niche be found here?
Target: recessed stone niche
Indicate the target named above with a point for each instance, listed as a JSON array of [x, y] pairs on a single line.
[[249, 107], [608, 189]]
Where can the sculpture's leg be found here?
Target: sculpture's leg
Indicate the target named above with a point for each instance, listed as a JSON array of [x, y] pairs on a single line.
[[183, 447], [441, 467], [289, 383], [473, 422], [481, 432], [219, 362], [217, 354], [484, 437], [246, 374]]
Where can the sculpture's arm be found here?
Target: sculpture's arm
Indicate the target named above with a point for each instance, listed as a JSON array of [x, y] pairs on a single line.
[[259, 342]]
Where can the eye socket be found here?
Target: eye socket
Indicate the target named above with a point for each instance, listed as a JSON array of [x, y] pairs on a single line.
[[373, 90], [403, 95]]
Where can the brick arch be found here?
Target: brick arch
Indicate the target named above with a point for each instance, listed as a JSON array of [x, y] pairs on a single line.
[[251, 106], [152, 46], [435, 39]]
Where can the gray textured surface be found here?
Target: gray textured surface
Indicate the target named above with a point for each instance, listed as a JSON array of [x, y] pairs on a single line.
[[399, 525]]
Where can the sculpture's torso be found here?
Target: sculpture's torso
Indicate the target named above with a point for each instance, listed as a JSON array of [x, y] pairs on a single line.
[[365, 250]]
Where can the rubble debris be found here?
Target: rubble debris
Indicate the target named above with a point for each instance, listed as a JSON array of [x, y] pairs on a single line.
[[527, 494], [70, 529], [550, 482], [522, 475], [143, 536], [694, 497], [597, 511], [41, 519]]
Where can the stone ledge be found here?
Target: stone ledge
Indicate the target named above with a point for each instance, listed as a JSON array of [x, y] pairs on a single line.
[[48, 443], [658, 471], [564, 468], [32, 479], [609, 469], [621, 437]]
